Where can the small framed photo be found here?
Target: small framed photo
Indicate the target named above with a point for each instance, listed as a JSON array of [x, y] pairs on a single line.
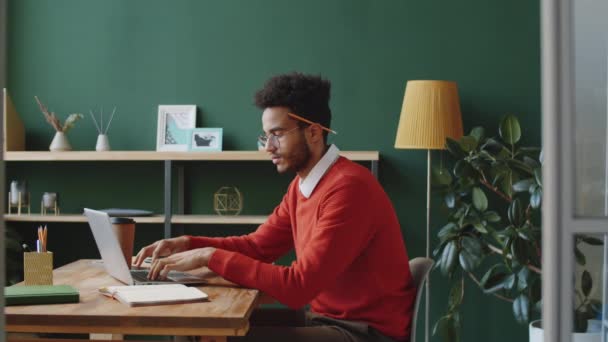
[[175, 123], [206, 139]]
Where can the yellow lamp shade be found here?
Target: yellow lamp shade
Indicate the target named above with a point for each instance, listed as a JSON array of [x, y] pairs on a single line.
[[430, 114]]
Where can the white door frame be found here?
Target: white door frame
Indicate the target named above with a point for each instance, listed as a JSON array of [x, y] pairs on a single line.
[[559, 224]]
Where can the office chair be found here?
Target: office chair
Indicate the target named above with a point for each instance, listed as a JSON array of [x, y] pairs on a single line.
[[420, 269]]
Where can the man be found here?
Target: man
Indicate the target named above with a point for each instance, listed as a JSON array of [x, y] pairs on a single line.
[[351, 266]]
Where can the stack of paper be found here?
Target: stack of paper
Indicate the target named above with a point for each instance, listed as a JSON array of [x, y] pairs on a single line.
[[139, 295]]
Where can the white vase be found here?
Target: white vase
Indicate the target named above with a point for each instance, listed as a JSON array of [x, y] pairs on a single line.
[[60, 143], [537, 334], [19, 187], [103, 144], [49, 199]]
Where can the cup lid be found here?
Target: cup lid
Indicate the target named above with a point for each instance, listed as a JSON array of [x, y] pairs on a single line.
[[121, 220]]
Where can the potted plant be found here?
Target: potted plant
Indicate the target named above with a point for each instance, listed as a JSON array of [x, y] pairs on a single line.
[[493, 197], [60, 140]]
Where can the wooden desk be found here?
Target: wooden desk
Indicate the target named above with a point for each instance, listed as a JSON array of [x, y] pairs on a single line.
[[225, 314]]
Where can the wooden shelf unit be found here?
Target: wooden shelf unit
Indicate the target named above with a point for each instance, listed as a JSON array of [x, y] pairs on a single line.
[[36, 156], [158, 219], [217, 219], [73, 218], [168, 159], [14, 151]]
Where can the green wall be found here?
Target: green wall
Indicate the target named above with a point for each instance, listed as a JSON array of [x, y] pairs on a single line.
[[76, 55]]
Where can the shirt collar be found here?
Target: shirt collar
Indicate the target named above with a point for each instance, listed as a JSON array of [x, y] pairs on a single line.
[[308, 184]]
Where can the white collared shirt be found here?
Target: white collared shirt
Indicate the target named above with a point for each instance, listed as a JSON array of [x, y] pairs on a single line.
[[308, 184]]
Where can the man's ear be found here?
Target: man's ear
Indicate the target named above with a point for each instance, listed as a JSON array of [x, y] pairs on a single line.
[[315, 133]]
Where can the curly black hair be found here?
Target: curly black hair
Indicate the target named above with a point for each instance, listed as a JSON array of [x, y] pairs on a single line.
[[304, 95]]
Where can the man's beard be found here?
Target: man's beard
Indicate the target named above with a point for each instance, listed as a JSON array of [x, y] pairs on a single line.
[[298, 160]]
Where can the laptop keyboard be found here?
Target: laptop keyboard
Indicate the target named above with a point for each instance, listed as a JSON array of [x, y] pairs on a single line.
[[140, 275]]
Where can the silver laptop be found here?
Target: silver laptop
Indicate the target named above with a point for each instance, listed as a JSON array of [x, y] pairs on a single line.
[[114, 261]]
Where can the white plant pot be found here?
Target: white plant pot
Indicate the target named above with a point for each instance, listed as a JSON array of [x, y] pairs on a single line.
[[103, 144], [537, 334], [60, 143]]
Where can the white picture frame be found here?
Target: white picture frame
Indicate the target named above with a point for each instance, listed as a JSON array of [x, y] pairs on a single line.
[[206, 139], [174, 125]]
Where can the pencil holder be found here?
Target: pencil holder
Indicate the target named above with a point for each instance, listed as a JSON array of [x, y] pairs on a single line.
[[38, 268]]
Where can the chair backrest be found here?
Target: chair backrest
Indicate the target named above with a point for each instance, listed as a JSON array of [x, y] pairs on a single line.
[[420, 269]]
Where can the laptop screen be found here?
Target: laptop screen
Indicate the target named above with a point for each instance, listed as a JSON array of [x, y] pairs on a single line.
[[109, 248], [114, 261]]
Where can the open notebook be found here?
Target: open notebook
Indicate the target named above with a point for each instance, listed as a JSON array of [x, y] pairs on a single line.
[[141, 295]]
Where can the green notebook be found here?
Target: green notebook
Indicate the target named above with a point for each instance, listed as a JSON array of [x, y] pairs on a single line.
[[40, 294]]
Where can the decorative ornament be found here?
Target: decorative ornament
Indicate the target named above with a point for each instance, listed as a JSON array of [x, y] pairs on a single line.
[[228, 201]]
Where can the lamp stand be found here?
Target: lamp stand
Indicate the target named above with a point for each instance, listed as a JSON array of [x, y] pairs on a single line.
[[428, 246]]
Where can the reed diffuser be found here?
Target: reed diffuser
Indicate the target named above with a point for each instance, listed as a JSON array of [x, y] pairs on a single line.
[[103, 144]]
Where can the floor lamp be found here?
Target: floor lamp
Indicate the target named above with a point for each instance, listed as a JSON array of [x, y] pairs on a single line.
[[430, 114]]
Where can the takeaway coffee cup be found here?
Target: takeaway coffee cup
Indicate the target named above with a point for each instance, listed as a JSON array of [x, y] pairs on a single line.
[[124, 229]]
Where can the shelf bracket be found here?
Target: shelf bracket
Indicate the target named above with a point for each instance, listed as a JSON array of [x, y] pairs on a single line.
[[168, 210], [183, 204]]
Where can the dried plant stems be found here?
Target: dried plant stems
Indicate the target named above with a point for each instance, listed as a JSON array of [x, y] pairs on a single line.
[[71, 120], [54, 121], [50, 117]]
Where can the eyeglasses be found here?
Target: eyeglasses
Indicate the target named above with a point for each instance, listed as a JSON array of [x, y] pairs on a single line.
[[274, 137]]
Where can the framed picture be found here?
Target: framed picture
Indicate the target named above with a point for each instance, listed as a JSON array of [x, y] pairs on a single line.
[[175, 123], [206, 139]]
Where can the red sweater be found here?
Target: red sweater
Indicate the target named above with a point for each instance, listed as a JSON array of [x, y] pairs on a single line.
[[351, 262]]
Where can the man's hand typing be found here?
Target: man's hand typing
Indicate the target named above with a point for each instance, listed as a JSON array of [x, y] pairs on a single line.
[[162, 248], [184, 262]]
